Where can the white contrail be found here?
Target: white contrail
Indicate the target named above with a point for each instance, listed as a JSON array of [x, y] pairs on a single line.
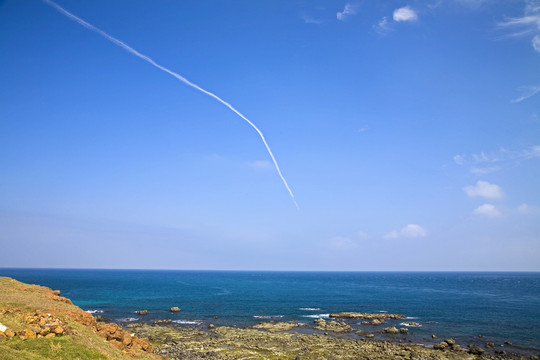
[[179, 77]]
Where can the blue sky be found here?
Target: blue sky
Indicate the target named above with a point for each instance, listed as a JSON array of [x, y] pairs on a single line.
[[408, 131]]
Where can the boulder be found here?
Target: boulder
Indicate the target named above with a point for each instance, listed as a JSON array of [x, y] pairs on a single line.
[[475, 349], [403, 331], [142, 312], [56, 292], [490, 345], [9, 333], [390, 330], [175, 309], [2, 336], [441, 346]]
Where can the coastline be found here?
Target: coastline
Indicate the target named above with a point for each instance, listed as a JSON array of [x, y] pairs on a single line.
[[331, 338]]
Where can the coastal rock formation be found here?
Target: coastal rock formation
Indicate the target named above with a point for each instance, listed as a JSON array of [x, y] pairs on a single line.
[[333, 326], [175, 309], [448, 344], [374, 322], [142, 312], [357, 315], [273, 326], [411, 324], [391, 330], [475, 349]]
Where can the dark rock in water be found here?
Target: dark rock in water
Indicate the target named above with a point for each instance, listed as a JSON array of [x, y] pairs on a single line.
[[211, 326], [508, 343], [175, 309], [475, 349], [500, 352], [433, 336], [490, 345], [404, 331], [142, 312], [390, 330]]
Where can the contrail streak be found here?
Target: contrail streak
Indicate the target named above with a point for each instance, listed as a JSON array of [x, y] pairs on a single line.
[[179, 77]]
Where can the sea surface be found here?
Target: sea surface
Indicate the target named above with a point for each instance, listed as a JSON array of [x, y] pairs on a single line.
[[471, 307]]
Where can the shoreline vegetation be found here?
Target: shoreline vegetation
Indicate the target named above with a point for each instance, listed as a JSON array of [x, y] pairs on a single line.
[[36, 322]]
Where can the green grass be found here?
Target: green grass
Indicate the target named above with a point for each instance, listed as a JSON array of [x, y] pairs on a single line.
[[39, 349]]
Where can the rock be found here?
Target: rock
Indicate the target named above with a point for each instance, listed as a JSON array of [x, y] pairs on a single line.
[[490, 345], [508, 343], [377, 322], [100, 318], [2, 336], [162, 322], [456, 347], [272, 326], [56, 292], [441, 346], [211, 326], [9, 333], [175, 309], [333, 326], [29, 334], [475, 349], [355, 315], [58, 330], [50, 335], [142, 312], [390, 330], [450, 341], [404, 331], [433, 336]]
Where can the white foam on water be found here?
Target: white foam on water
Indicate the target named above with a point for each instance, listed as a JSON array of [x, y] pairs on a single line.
[[309, 309], [409, 325], [317, 316], [268, 316], [94, 311], [411, 317], [188, 322], [128, 319]]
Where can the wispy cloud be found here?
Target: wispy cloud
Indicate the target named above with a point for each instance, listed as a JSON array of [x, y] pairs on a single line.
[[383, 26], [528, 24], [408, 231], [484, 189], [308, 19], [260, 164], [528, 91], [528, 209], [484, 163], [349, 10], [405, 14], [488, 210]]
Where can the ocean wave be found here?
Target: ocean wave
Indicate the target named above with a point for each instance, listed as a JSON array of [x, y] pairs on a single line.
[[317, 316], [407, 324], [383, 311], [94, 311], [411, 317], [188, 322], [268, 316], [128, 319], [309, 309]]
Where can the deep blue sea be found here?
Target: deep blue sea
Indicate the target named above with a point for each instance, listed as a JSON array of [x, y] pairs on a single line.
[[499, 306]]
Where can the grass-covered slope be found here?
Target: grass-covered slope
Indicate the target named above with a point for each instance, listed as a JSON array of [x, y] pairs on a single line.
[[43, 325]]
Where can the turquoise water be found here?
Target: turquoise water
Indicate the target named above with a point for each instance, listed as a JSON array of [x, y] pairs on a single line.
[[499, 306]]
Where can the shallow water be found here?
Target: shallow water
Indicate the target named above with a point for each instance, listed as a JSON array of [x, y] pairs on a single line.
[[499, 306]]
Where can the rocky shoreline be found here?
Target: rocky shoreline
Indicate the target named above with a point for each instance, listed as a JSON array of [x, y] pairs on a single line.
[[284, 340]]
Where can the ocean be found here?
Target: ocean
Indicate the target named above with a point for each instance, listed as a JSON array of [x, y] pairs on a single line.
[[470, 307]]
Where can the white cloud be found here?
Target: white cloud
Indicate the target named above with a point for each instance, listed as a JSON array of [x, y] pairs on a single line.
[[350, 9], [528, 24], [342, 243], [528, 209], [383, 26], [485, 163], [408, 231], [260, 164], [484, 189], [529, 91], [310, 20], [405, 14], [487, 210]]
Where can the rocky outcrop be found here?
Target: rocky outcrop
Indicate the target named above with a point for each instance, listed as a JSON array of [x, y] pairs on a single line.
[[448, 344], [374, 322], [142, 312], [122, 339], [475, 349], [391, 330], [357, 315], [273, 326], [175, 309], [333, 326]]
